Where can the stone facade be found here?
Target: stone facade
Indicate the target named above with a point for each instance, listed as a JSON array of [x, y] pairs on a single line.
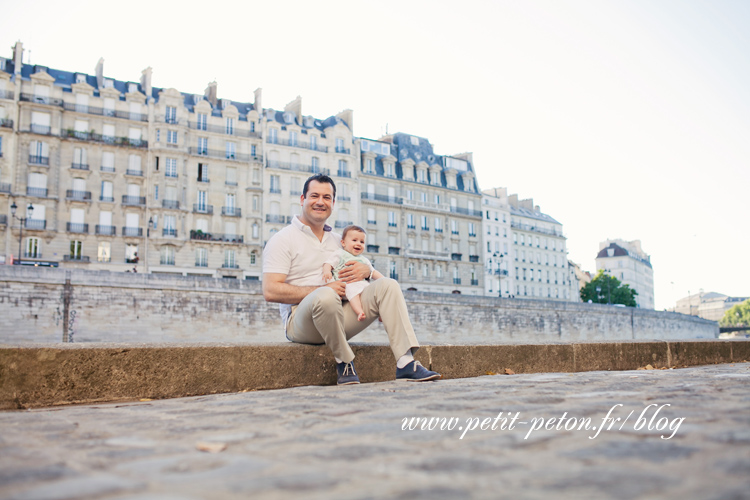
[[53, 305], [498, 238], [626, 261], [711, 305]]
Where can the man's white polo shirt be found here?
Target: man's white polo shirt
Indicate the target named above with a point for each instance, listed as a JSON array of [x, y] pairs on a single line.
[[296, 252]]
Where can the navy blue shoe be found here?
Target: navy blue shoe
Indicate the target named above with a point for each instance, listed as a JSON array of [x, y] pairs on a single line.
[[415, 372], [347, 375]]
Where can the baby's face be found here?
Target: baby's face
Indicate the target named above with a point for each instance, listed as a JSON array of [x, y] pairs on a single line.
[[354, 242]]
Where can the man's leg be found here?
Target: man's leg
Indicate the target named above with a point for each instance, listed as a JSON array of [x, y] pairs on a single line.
[[384, 298], [319, 319]]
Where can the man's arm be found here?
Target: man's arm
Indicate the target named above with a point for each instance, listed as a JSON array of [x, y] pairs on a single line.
[[276, 290], [354, 271]]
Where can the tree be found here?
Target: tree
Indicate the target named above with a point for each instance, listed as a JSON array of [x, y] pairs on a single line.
[[738, 315], [606, 289]]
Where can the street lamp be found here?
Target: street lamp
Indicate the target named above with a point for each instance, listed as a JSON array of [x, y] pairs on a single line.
[[148, 235], [22, 220]]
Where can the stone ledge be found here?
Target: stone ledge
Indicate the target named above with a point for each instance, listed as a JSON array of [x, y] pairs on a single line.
[[39, 376]]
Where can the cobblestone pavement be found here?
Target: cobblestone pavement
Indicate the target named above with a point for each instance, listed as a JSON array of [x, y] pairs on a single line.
[[348, 442]]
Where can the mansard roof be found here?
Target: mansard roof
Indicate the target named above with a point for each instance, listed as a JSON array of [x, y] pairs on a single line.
[[533, 214], [621, 252]]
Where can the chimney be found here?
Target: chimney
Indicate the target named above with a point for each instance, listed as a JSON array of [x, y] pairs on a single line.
[[210, 93], [146, 81], [348, 116], [258, 104], [99, 71], [18, 57], [513, 200], [295, 107]]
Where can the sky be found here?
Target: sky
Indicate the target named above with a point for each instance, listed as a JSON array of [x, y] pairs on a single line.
[[621, 119]]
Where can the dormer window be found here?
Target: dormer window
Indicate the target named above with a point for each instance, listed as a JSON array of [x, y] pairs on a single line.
[[390, 171], [270, 114], [421, 177], [414, 141], [132, 87], [109, 83], [225, 103], [308, 121], [197, 98], [369, 168], [80, 78], [288, 117]]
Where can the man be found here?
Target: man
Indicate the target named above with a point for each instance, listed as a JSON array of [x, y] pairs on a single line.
[[313, 311]]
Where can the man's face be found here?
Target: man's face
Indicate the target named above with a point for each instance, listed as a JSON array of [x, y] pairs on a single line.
[[318, 204]]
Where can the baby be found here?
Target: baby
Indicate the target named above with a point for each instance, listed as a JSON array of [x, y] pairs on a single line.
[[353, 241]]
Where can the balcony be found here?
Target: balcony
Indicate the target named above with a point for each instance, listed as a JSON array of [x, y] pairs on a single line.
[[223, 155], [230, 265], [394, 250], [297, 144], [473, 258], [40, 99], [108, 199], [79, 166], [134, 200], [274, 190], [104, 168], [106, 230], [456, 281], [202, 208], [427, 205], [474, 282], [372, 222], [393, 275], [35, 224], [438, 229], [425, 228], [472, 235], [32, 255], [456, 256], [6, 123], [35, 128], [231, 211], [206, 181], [201, 263], [341, 224], [132, 231], [381, 197], [373, 248], [344, 151], [528, 227], [426, 254], [173, 204], [105, 139], [501, 272], [278, 219], [169, 231], [343, 173], [73, 195], [36, 192], [466, 211], [216, 237], [76, 227], [411, 226], [39, 160], [134, 173], [217, 129], [166, 260], [76, 258], [4, 187], [296, 167]]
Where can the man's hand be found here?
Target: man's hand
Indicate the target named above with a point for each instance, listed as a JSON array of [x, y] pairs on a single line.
[[354, 271], [339, 287]]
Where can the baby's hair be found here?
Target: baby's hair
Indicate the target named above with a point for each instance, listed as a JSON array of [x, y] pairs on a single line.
[[352, 228]]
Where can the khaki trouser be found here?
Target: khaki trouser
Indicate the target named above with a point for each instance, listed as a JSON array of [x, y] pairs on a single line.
[[322, 318]]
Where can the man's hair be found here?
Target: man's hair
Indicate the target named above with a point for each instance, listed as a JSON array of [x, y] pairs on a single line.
[[319, 178], [352, 227]]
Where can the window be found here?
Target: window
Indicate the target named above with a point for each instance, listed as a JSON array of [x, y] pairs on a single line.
[[131, 254], [343, 168], [410, 268], [253, 258], [202, 196], [371, 216], [255, 230], [273, 136], [172, 137], [409, 194], [256, 203], [421, 175], [170, 115], [104, 253], [33, 248], [170, 169], [390, 170], [392, 219], [340, 145], [107, 195], [410, 221], [109, 105], [425, 227], [156, 193], [439, 271], [275, 184], [471, 229], [76, 248], [170, 223], [438, 225], [314, 142], [201, 257], [134, 165], [454, 227], [202, 118], [230, 260], [369, 168], [425, 270], [202, 145], [202, 172], [166, 255], [230, 126], [231, 150], [292, 138]]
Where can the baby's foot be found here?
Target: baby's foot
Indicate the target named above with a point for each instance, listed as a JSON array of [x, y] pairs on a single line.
[[361, 317]]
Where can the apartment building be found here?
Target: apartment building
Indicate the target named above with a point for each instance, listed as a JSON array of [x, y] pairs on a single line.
[[540, 267], [626, 261], [422, 212], [498, 237]]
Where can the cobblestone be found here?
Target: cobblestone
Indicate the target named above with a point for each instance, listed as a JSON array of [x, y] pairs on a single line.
[[347, 442]]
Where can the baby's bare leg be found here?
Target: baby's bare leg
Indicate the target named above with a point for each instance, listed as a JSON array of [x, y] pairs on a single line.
[[356, 303]]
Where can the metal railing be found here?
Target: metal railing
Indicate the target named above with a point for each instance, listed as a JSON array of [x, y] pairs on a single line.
[[3, 220], [6, 122], [32, 255], [343, 173], [456, 281], [76, 258], [426, 254], [79, 166], [170, 204], [132, 231], [37, 192], [473, 258], [105, 139], [133, 200], [135, 173], [200, 208], [226, 238], [107, 169], [340, 224], [474, 282], [466, 211], [394, 250], [345, 151], [218, 129], [528, 227], [278, 219], [109, 199], [169, 231], [5, 187], [373, 248], [223, 155], [52, 101], [39, 160], [231, 211], [74, 195], [35, 224], [106, 230], [298, 144], [381, 197], [297, 167], [456, 256], [76, 227], [166, 260]]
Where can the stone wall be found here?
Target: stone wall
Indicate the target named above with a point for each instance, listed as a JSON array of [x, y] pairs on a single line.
[[55, 305]]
